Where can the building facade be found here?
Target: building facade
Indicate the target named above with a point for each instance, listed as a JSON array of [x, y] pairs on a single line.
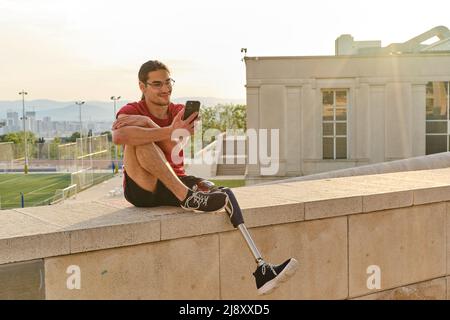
[[366, 104]]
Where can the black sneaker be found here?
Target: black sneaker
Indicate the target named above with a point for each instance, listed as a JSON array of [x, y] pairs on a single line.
[[204, 201], [268, 277]]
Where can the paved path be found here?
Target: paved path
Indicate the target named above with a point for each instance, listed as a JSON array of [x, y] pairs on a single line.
[[111, 188]]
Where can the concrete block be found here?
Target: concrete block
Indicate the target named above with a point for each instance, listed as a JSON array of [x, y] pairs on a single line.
[[333, 207], [26, 238], [408, 245], [281, 191], [258, 209], [432, 194], [448, 287], [95, 226], [384, 201], [435, 289], [319, 246], [269, 215], [185, 268], [117, 203], [88, 239], [22, 281], [193, 224], [448, 238], [121, 203], [34, 247], [84, 215], [15, 224]]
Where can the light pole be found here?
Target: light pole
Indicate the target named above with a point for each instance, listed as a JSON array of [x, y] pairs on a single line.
[[25, 168], [116, 164], [80, 103]]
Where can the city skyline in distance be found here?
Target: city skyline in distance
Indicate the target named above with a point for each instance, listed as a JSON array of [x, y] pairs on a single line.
[[91, 110]]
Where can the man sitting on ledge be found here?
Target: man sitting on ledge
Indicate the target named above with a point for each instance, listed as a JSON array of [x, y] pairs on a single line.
[[151, 178]]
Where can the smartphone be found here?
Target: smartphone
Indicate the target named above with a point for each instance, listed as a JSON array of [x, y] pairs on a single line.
[[191, 107]]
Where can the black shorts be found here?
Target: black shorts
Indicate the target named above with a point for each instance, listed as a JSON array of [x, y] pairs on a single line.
[[162, 196]]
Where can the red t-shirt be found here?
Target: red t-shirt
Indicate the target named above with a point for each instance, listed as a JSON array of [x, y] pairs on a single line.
[[140, 108]]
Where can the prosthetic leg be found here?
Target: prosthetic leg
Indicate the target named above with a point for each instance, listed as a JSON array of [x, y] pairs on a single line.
[[268, 277], [235, 214]]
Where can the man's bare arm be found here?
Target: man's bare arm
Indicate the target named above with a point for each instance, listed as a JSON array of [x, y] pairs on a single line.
[[166, 144], [124, 120], [135, 136], [133, 120]]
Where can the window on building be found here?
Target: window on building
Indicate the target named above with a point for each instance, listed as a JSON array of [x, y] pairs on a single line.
[[437, 117], [334, 123]]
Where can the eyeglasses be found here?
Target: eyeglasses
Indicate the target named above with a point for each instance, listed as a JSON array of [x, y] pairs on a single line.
[[159, 84]]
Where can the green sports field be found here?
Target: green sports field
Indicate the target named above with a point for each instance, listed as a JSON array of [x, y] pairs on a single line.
[[39, 188], [36, 187]]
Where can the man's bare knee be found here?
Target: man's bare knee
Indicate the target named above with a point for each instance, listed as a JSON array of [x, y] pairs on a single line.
[[153, 160], [150, 157], [135, 171], [148, 151]]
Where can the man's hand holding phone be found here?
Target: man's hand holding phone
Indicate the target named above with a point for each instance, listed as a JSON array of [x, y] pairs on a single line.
[[187, 124], [190, 108]]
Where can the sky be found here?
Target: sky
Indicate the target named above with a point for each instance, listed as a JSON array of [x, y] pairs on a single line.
[[92, 49]]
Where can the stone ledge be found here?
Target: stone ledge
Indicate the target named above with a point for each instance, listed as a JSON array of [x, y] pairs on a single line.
[[39, 232], [22, 281], [435, 289], [407, 244]]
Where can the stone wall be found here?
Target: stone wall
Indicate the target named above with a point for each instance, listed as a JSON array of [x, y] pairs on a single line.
[[336, 228]]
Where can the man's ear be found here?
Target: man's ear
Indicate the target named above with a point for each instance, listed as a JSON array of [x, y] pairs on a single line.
[[141, 86]]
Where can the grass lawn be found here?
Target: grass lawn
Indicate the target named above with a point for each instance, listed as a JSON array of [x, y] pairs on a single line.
[[229, 183], [38, 187], [35, 187]]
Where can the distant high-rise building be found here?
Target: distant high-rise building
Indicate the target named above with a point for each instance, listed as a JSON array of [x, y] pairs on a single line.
[[30, 121], [3, 127], [46, 128], [12, 121]]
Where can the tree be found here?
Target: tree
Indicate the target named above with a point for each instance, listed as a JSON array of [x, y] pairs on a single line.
[[223, 117], [109, 135], [232, 116], [54, 154], [18, 139], [73, 137], [41, 145], [113, 146]]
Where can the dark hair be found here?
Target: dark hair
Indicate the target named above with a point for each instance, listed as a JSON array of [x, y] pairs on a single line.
[[149, 66]]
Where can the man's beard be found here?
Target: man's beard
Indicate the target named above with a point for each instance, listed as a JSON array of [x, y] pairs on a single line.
[[158, 102], [161, 104]]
